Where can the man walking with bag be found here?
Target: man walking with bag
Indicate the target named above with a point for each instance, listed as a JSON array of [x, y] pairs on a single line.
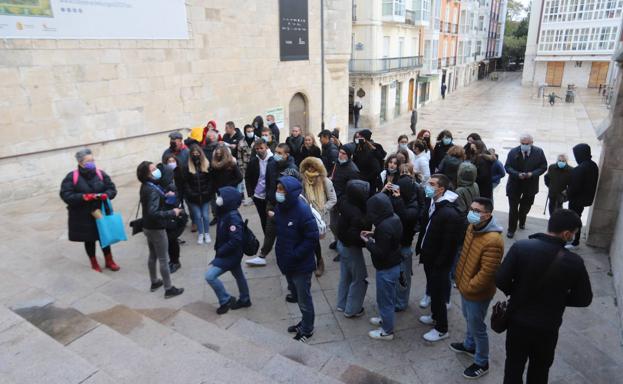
[[542, 279]]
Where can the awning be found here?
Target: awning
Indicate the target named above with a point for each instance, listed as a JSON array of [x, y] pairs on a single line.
[[424, 79]]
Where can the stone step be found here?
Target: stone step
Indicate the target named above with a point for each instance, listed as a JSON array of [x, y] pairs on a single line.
[[30, 356], [283, 345]]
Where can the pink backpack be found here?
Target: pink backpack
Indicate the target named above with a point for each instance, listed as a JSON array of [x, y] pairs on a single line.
[[77, 174]]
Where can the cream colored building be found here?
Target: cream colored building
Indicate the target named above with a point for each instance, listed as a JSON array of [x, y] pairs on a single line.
[[122, 97]]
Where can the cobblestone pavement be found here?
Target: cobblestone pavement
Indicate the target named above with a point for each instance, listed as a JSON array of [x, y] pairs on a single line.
[[34, 246]]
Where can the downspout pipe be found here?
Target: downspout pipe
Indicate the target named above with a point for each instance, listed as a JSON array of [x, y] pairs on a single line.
[[322, 64]]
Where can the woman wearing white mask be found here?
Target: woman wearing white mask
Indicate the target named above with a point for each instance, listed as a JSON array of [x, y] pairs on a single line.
[[403, 145]]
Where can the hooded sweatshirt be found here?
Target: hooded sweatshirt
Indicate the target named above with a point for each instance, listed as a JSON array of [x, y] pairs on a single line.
[[467, 188], [297, 231], [228, 245], [583, 183], [352, 209], [438, 243], [480, 258], [384, 246]]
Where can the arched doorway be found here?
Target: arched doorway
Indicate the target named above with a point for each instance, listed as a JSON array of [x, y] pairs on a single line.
[[298, 111]]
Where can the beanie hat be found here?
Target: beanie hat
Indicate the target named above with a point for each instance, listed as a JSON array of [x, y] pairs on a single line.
[[196, 134], [366, 134]]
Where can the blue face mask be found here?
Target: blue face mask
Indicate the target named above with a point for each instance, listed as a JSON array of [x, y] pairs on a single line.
[[265, 138], [526, 147], [277, 157], [156, 174], [561, 164], [473, 217], [447, 141], [429, 191], [280, 197]]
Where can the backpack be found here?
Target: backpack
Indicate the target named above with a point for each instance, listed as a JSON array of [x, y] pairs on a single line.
[[250, 244], [322, 226], [76, 175]]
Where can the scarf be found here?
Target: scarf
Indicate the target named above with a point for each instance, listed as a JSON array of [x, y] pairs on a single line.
[[313, 187]]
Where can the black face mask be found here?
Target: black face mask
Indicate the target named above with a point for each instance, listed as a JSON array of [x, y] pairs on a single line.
[[196, 158], [173, 145]]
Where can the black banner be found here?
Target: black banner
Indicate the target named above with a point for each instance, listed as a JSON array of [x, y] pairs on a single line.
[[293, 30]]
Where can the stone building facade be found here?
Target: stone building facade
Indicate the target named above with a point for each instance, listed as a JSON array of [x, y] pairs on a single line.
[[122, 97]]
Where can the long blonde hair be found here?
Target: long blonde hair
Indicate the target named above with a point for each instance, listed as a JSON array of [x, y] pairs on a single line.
[[204, 163], [314, 182]]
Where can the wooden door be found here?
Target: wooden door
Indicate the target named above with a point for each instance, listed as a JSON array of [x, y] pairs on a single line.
[[298, 112], [411, 93], [555, 69], [599, 72]]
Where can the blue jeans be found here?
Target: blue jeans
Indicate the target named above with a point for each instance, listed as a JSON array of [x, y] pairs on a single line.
[[352, 288], [201, 216], [476, 338], [212, 275], [299, 285], [402, 294], [386, 282]]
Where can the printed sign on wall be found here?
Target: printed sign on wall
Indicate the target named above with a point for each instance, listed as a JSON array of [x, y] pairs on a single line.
[[293, 30], [93, 19]]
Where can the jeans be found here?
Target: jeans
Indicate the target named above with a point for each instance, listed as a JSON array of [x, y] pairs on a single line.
[[353, 285], [212, 275], [439, 284], [386, 282], [476, 337], [158, 250], [519, 205], [201, 216], [577, 208], [402, 294], [299, 285], [535, 345]]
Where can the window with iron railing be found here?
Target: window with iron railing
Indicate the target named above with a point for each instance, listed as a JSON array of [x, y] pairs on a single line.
[[388, 64]]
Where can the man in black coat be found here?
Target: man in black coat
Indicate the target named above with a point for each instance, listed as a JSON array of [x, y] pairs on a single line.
[[369, 157], [295, 142], [274, 129], [343, 171], [524, 164], [439, 238], [583, 184], [329, 150], [231, 138], [542, 279]]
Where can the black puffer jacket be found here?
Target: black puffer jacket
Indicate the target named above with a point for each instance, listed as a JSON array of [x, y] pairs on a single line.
[[224, 176], [274, 170], [155, 213], [352, 209], [369, 162], [81, 223], [342, 174], [295, 144], [385, 246], [439, 152], [583, 183], [441, 233], [197, 187], [409, 208], [329, 156], [313, 151]]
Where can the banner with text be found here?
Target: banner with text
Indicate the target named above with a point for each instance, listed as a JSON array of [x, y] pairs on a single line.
[[293, 30], [93, 19]]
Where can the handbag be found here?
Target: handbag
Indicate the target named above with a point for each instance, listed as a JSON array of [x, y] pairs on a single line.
[[137, 223], [500, 310], [322, 226], [110, 226]]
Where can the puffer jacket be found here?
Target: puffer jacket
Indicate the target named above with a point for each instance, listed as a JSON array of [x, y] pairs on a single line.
[[229, 228], [467, 188], [449, 166], [342, 173], [297, 231], [480, 259], [384, 247], [197, 186], [352, 209], [276, 169]]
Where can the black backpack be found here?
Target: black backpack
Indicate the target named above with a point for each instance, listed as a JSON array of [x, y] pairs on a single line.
[[250, 244]]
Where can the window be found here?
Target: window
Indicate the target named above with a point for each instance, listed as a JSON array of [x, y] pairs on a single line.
[[578, 39], [401, 46], [393, 7], [556, 11], [386, 42], [421, 9]]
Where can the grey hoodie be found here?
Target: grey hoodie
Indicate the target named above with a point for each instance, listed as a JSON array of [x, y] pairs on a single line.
[[467, 187], [491, 227]]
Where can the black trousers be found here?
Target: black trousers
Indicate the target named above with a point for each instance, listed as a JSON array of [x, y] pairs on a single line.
[[519, 206], [554, 204], [525, 344], [174, 247], [439, 286], [89, 247], [260, 205], [577, 208]]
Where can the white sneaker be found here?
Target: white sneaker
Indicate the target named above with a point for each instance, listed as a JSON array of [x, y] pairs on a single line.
[[200, 238], [448, 306], [257, 262], [427, 320], [434, 335], [247, 202], [572, 247], [425, 302], [379, 334], [377, 321], [206, 238]]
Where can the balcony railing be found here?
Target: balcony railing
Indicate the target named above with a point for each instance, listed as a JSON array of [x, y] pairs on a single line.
[[446, 27], [443, 62], [389, 64]]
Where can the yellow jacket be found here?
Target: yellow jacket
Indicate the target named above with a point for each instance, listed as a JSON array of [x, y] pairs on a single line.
[[480, 258]]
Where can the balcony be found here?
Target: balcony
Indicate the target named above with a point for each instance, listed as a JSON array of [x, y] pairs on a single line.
[[446, 27], [444, 62], [389, 64]]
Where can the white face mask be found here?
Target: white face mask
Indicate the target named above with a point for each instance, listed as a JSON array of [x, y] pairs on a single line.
[[219, 201]]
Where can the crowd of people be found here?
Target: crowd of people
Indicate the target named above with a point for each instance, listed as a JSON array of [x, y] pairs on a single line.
[[424, 198]]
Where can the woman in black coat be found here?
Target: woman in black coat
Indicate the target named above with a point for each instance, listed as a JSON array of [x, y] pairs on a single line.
[[478, 155], [171, 181], [197, 192], [308, 149], [444, 143], [83, 190], [156, 217]]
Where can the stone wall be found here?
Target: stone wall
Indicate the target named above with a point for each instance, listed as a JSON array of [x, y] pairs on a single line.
[[123, 96]]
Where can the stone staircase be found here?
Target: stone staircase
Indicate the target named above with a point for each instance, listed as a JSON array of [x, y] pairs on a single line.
[[65, 324]]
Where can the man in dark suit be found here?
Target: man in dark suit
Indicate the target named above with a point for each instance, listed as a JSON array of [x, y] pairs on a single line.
[[524, 164]]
